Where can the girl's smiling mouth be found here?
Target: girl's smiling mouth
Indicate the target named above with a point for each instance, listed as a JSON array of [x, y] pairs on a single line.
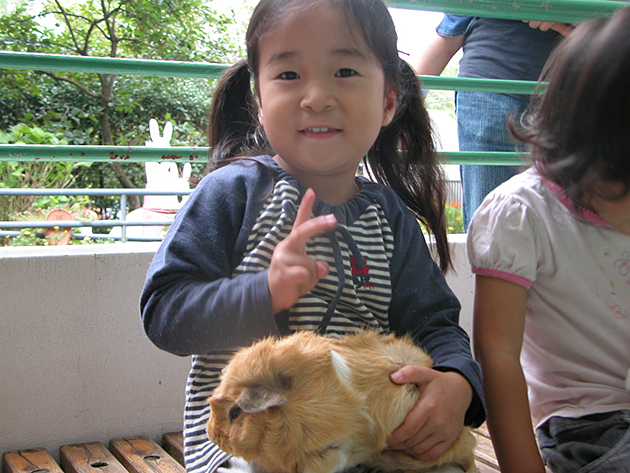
[[320, 131]]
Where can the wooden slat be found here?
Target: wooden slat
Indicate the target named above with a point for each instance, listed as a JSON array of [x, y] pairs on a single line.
[[484, 453], [89, 457], [173, 443], [33, 460], [143, 455], [483, 468]]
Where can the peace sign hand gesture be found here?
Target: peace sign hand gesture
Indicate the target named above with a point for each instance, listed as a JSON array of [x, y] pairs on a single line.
[[292, 273]]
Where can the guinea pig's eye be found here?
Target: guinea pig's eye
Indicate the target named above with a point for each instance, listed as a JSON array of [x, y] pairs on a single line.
[[234, 413]]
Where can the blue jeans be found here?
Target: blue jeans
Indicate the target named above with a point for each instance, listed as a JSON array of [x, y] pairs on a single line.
[[596, 443], [481, 126]]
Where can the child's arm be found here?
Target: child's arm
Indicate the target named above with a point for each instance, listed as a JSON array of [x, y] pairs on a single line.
[[499, 320], [191, 303], [562, 28], [436, 421], [424, 306], [437, 54]]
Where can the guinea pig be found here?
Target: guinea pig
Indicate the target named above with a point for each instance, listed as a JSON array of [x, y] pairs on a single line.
[[311, 404]]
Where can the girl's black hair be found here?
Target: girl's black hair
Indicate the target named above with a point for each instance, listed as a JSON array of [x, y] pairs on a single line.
[[234, 129], [578, 129], [403, 156]]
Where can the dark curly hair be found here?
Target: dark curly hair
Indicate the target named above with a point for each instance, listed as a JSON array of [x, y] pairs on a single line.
[[578, 130]]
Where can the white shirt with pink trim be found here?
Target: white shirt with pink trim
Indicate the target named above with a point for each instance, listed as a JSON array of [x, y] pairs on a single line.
[[576, 267]]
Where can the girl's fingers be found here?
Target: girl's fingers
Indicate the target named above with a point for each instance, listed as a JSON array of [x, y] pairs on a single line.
[[306, 208], [322, 269], [292, 273], [299, 236], [305, 227]]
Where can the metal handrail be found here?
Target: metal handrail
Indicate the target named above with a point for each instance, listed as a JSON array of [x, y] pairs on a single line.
[[568, 11], [181, 154], [145, 67], [564, 11], [6, 226], [122, 222]]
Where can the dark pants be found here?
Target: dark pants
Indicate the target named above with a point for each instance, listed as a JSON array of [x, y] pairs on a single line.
[[596, 443], [481, 126]]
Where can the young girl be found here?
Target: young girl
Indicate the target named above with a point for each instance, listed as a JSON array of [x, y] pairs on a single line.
[[290, 239], [551, 251]]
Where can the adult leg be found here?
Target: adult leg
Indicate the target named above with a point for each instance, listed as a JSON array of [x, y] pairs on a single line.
[[481, 126]]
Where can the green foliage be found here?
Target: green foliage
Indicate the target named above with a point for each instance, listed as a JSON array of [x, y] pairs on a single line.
[[77, 206], [454, 219], [183, 30], [32, 174], [24, 134], [109, 109], [27, 237], [444, 100]]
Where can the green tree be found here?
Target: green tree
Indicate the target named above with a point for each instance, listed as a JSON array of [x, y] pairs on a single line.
[[31, 174], [186, 30]]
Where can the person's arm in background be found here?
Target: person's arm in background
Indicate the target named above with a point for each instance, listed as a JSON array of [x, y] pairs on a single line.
[[498, 327], [561, 28], [437, 54]]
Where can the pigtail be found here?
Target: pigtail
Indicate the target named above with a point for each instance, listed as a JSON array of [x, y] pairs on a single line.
[[404, 158], [234, 129]]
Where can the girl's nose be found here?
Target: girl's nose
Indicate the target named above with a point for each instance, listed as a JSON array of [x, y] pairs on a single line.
[[318, 98]]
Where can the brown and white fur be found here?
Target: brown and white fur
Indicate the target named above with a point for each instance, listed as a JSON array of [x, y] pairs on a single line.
[[310, 404]]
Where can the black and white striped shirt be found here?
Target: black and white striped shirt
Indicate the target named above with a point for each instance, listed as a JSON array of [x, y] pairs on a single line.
[[206, 290]]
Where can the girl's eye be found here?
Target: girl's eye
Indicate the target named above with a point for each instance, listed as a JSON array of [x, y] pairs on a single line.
[[345, 73], [289, 75]]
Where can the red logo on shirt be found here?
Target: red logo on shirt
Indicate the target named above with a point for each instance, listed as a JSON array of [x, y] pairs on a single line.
[[360, 277]]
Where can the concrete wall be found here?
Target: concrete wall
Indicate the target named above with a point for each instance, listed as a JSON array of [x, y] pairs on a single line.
[[76, 365]]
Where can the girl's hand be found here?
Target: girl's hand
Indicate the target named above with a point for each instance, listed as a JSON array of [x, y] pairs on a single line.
[[562, 28], [292, 273], [437, 419]]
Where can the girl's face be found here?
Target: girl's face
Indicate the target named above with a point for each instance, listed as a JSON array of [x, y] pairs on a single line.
[[323, 99]]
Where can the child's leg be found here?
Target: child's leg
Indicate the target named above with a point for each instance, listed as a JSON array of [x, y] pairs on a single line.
[[596, 443]]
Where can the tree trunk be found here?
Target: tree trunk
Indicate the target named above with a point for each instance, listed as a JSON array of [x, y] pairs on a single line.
[[107, 97]]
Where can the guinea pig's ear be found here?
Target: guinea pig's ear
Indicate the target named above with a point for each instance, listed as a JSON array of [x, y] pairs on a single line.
[[258, 398]]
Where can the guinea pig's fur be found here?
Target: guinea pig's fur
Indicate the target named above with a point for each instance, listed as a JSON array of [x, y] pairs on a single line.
[[310, 404]]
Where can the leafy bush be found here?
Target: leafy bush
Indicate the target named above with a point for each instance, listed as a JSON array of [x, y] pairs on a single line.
[[454, 219], [31, 174]]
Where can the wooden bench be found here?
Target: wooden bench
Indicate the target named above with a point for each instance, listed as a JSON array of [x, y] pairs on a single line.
[[125, 455], [484, 454], [143, 455]]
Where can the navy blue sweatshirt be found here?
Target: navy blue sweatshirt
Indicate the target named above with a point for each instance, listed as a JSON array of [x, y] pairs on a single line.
[[206, 292]]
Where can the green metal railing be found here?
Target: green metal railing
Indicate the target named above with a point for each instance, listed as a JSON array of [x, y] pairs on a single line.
[[180, 154], [566, 11], [563, 11]]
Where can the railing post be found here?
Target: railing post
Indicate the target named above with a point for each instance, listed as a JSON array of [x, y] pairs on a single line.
[[123, 217]]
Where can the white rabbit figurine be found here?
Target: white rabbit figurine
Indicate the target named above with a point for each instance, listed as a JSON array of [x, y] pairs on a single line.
[[164, 176], [157, 140]]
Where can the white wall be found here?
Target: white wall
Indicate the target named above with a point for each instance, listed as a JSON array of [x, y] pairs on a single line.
[[76, 365]]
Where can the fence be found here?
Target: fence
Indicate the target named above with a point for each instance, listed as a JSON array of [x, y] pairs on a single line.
[[122, 222], [567, 11]]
